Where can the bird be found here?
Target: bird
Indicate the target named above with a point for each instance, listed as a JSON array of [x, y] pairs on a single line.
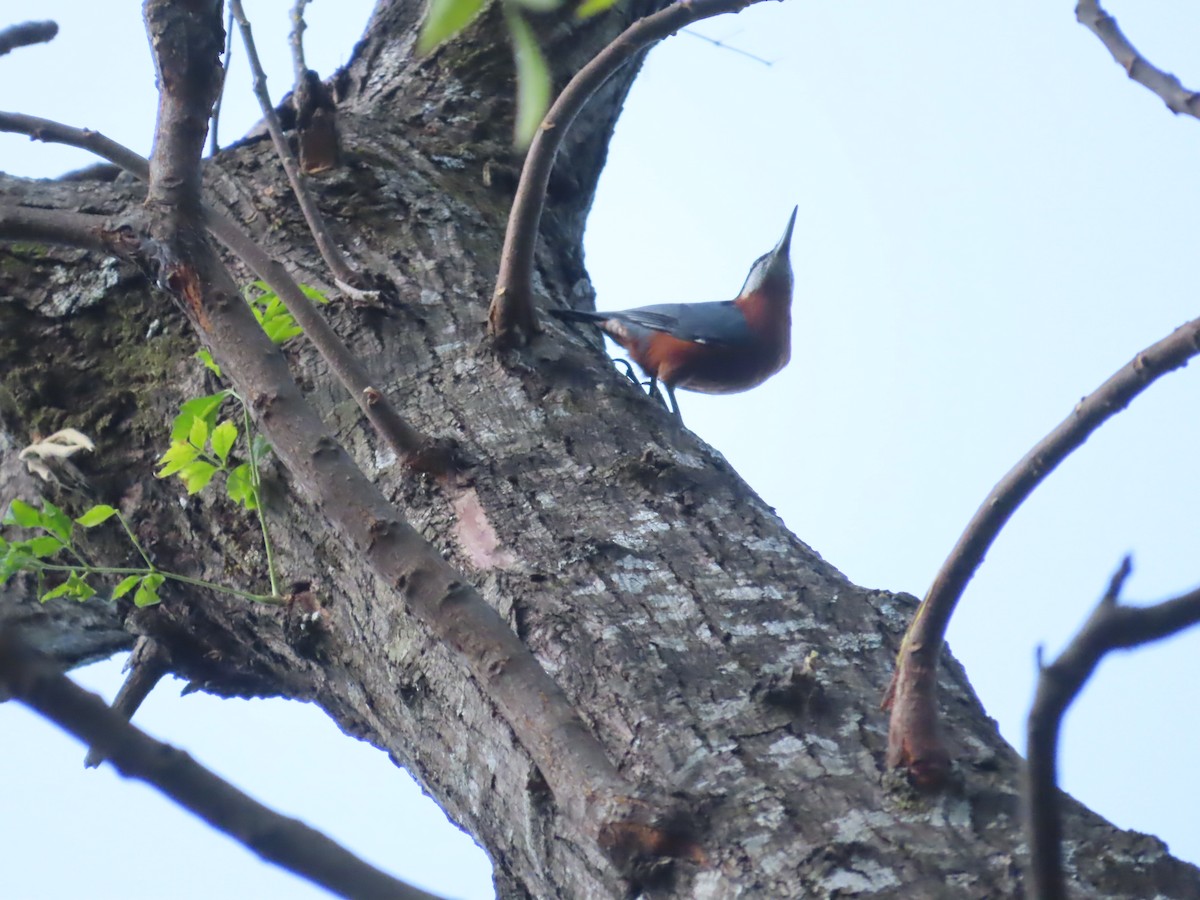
[[716, 347]]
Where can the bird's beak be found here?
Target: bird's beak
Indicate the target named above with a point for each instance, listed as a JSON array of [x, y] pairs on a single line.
[[784, 246]]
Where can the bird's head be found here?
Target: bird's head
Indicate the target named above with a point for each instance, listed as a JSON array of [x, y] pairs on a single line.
[[772, 272]]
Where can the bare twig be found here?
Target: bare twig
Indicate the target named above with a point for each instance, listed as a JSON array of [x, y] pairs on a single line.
[[56, 133], [25, 34], [585, 783], [213, 146], [287, 842], [296, 40], [511, 318], [341, 270], [1179, 99], [56, 226], [412, 448], [1111, 626], [147, 664], [913, 741]]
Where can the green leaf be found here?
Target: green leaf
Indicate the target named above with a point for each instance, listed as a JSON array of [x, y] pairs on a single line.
[[178, 455], [126, 585], [56, 521], [21, 513], [589, 8], [541, 5], [533, 79], [204, 408], [209, 363], [96, 515], [44, 546], [74, 587], [198, 433], [445, 19], [313, 294], [254, 290], [80, 589], [147, 592], [240, 487], [14, 561], [223, 438], [61, 591], [281, 328], [260, 446], [197, 475]]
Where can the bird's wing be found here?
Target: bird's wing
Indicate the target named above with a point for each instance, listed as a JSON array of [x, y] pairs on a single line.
[[704, 323]]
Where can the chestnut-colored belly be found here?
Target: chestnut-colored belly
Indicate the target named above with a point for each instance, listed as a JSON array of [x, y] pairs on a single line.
[[711, 368]]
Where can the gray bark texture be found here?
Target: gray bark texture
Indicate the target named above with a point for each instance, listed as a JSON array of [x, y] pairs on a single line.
[[717, 658]]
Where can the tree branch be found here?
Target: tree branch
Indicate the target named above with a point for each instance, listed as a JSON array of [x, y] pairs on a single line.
[[214, 146], [1111, 626], [296, 40], [32, 679], [346, 277], [584, 782], [511, 319], [25, 34], [913, 740], [411, 447], [73, 229], [1179, 99], [147, 665]]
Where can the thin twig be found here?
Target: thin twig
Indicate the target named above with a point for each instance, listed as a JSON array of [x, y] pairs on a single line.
[[312, 215], [1179, 100], [296, 40], [411, 447], [1111, 626], [25, 34], [913, 741], [35, 681], [213, 146], [511, 318]]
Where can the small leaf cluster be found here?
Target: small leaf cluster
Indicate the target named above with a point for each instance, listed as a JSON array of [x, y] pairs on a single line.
[[57, 540], [201, 447], [279, 324], [446, 18]]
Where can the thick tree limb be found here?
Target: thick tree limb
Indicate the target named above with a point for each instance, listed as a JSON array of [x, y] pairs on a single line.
[[411, 447], [511, 319], [347, 278], [1111, 626], [56, 226], [25, 34], [913, 740], [575, 766], [284, 841], [1179, 99]]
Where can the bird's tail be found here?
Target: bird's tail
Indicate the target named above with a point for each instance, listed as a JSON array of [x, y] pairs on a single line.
[[577, 315]]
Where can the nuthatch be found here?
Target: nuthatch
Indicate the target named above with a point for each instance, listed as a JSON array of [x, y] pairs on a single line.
[[715, 348]]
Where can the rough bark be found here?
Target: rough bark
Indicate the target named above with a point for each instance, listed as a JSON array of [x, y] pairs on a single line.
[[713, 653]]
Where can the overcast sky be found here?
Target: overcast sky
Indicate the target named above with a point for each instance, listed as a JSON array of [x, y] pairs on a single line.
[[993, 219]]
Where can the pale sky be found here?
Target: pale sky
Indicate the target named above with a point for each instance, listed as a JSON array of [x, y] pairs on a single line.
[[993, 219]]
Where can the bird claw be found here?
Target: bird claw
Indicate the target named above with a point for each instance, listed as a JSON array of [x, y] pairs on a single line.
[[629, 371]]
